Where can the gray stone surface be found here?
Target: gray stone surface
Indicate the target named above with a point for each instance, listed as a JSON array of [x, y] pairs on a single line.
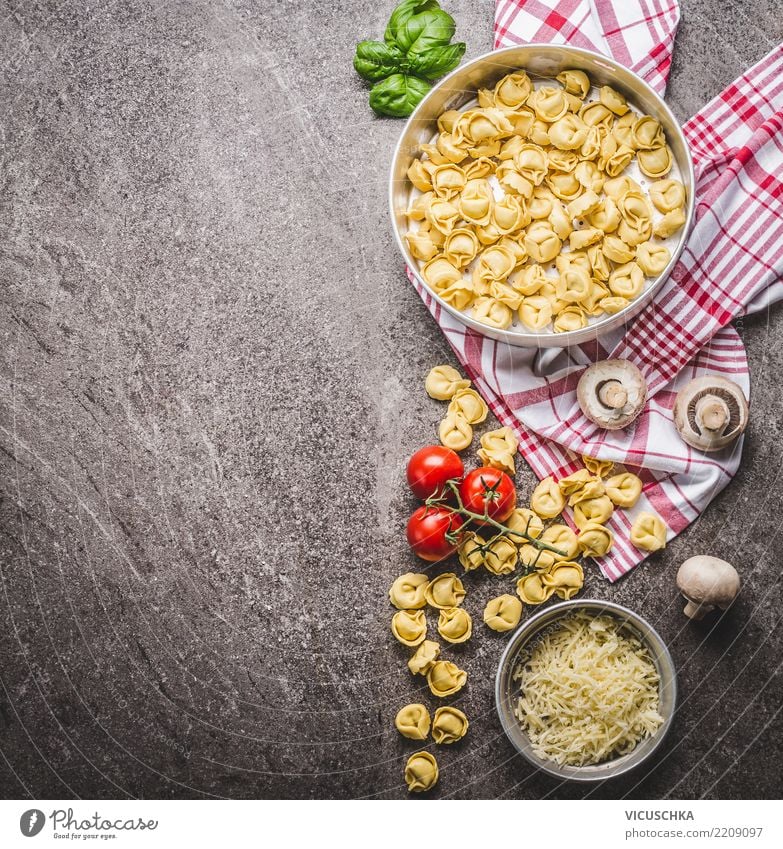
[[210, 381]]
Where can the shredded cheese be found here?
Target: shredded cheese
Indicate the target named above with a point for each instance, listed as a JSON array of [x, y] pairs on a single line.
[[589, 692]]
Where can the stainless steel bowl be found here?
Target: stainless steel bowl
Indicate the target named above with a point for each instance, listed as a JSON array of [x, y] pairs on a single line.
[[507, 690], [539, 60]]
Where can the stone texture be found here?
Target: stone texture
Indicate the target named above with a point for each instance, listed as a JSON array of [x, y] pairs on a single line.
[[211, 380]]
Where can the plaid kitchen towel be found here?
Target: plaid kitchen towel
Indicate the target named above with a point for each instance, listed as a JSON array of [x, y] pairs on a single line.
[[732, 265]]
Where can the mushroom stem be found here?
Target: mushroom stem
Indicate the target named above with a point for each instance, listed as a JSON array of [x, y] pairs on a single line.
[[712, 413], [696, 611], [612, 394]]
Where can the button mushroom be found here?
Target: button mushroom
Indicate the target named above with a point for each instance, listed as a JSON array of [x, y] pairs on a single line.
[[710, 412], [611, 393], [706, 583]]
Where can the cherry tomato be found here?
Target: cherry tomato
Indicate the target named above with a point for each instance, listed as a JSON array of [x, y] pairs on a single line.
[[433, 532], [491, 490], [429, 469]]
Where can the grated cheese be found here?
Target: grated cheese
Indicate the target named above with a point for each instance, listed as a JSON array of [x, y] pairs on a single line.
[[589, 692]]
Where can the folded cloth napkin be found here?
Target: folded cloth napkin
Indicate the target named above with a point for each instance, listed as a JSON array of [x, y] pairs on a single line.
[[732, 265]]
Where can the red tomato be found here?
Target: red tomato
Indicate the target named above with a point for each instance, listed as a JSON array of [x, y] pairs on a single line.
[[491, 490], [433, 531], [429, 469]]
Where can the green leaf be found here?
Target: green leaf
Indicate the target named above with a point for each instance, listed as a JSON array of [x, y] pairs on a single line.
[[400, 16], [431, 28], [437, 61], [375, 60], [397, 95]]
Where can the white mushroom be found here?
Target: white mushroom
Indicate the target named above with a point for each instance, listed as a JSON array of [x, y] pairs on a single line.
[[710, 412], [706, 583], [611, 393]]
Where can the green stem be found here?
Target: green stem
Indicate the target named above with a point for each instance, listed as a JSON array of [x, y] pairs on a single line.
[[486, 519]]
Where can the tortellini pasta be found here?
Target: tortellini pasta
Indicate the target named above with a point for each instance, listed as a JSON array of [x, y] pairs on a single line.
[[471, 551], [470, 405], [595, 540], [574, 482], [648, 532], [407, 592], [565, 578], [421, 772], [562, 538], [443, 382], [409, 626], [532, 557], [596, 466], [455, 432], [547, 500], [445, 591], [413, 721], [525, 521], [503, 613], [446, 678], [455, 625], [532, 175], [449, 725], [423, 658], [533, 589], [501, 556], [593, 487], [498, 449], [593, 510]]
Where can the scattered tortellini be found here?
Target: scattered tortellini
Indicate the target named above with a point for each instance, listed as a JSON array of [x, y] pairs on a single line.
[[501, 556], [507, 184], [533, 589], [595, 540], [407, 592], [421, 772], [624, 490], [445, 591], [443, 382], [524, 521], [409, 626], [597, 510], [413, 722], [455, 432], [449, 725], [455, 625], [498, 449], [503, 613], [470, 405], [565, 578], [446, 678], [596, 466], [547, 500], [648, 532], [471, 551], [424, 657], [562, 538]]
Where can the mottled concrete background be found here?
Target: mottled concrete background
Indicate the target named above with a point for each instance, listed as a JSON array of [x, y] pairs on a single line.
[[211, 379]]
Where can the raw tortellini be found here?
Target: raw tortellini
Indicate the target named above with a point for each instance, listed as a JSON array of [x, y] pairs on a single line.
[[445, 591], [624, 490], [443, 382], [503, 613], [409, 626], [413, 722], [424, 657], [455, 432], [407, 592], [471, 551], [593, 510], [501, 556], [648, 532], [595, 540], [525, 521], [547, 500], [505, 185], [421, 772], [498, 449], [596, 466], [533, 589], [455, 625], [565, 579], [470, 405], [446, 678], [449, 725]]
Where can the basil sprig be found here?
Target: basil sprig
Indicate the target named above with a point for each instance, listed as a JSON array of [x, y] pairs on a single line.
[[416, 49]]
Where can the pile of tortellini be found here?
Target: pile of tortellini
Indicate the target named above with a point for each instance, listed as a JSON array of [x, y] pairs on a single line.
[[532, 180]]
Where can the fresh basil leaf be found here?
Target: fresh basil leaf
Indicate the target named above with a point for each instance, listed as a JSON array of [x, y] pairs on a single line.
[[432, 28], [375, 60], [436, 61], [400, 15], [397, 95]]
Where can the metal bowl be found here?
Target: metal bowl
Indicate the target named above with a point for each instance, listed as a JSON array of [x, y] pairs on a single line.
[[507, 690], [540, 61]]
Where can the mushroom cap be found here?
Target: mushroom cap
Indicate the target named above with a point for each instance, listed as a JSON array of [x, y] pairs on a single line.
[[611, 393], [708, 581], [710, 412]]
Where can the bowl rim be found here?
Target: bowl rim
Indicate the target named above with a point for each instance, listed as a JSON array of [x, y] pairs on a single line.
[[563, 608], [608, 322]]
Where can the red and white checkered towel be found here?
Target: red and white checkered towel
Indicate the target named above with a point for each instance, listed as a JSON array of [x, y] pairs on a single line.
[[732, 265]]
